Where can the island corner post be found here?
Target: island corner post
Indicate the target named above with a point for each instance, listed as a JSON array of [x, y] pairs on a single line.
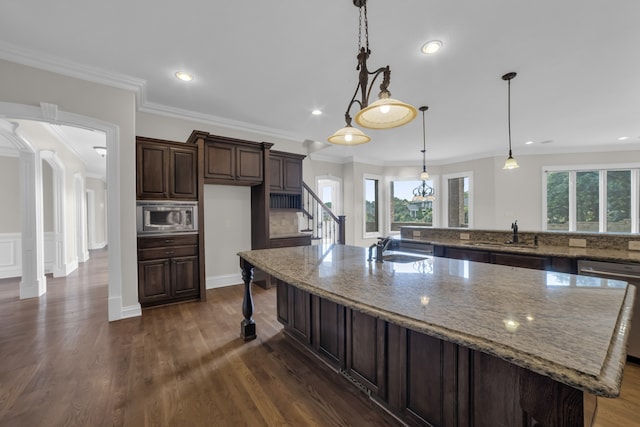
[[248, 325]]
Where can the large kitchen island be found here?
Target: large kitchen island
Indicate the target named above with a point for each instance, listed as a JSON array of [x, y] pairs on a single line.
[[446, 342]]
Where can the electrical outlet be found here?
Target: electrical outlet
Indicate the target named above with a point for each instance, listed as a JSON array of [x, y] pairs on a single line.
[[578, 243], [416, 233], [634, 245], [464, 236]]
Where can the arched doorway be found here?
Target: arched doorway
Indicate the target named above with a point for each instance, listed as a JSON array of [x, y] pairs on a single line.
[[49, 113]]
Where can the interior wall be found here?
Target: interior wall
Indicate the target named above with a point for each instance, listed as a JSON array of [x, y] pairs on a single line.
[[10, 207], [99, 189], [31, 86], [227, 231]]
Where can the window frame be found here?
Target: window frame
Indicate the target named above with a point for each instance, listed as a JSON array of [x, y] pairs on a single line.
[[445, 198], [379, 202], [602, 170], [434, 205]]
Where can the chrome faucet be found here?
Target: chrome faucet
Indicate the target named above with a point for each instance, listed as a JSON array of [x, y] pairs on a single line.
[[514, 227], [381, 246]]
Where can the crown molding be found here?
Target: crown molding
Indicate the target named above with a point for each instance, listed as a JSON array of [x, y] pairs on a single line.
[[57, 65], [47, 62]]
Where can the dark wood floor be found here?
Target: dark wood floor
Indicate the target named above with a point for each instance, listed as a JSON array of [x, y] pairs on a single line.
[[63, 364]]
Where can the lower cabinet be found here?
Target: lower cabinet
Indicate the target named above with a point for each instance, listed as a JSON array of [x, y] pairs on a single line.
[[424, 380], [168, 269]]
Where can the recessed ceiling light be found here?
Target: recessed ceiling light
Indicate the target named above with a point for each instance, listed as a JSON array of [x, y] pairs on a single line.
[[431, 47], [316, 112], [185, 77], [528, 142], [623, 138]]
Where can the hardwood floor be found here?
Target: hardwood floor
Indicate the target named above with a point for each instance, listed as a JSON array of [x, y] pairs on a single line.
[[63, 364]]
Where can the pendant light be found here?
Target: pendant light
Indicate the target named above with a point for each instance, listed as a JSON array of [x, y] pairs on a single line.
[[424, 192], [510, 163], [386, 112]]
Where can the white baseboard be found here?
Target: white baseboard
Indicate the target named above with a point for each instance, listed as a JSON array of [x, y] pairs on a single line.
[[224, 280], [98, 245], [118, 312]]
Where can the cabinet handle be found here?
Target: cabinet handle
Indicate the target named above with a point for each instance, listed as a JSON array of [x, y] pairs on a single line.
[[168, 241], [170, 252]]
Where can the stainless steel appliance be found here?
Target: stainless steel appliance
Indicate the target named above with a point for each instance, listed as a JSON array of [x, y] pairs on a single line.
[[156, 217], [620, 271]]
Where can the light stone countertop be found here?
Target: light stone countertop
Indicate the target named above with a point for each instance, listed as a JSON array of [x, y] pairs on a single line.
[[571, 328]]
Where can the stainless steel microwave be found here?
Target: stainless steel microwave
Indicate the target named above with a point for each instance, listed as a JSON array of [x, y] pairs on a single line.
[[166, 217]]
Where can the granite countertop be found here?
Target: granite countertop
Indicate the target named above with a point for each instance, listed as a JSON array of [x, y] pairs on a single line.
[[597, 254], [570, 328]]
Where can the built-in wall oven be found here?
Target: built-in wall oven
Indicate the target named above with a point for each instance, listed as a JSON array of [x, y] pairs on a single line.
[[159, 217], [620, 271]]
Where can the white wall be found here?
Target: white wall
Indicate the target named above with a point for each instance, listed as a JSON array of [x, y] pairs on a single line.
[[99, 189], [10, 193]]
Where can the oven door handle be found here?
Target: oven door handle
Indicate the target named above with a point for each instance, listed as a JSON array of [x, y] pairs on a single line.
[[609, 273]]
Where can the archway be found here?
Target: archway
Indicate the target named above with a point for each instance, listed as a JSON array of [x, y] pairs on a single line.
[[49, 113]]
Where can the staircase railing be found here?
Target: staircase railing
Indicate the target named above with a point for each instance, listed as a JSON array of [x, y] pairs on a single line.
[[321, 221]]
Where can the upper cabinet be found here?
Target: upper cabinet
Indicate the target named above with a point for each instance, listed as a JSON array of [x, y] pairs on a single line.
[[166, 170], [286, 172], [233, 162]]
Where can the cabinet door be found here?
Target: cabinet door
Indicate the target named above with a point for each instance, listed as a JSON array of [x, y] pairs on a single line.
[[366, 350], [184, 272], [183, 174], [151, 164], [249, 164], [154, 280], [276, 183], [220, 161], [468, 255], [524, 261], [292, 169]]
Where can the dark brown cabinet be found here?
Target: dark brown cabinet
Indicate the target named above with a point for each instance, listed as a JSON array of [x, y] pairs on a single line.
[[168, 269], [232, 163], [517, 260], [166, 170], [467, 254], [286, 172]]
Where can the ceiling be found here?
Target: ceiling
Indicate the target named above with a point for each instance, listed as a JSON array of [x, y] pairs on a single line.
[[264, 68]]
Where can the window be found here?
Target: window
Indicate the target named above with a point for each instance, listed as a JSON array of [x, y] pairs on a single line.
[[592, 199], [459, 196], [404, 210], [371, 207]]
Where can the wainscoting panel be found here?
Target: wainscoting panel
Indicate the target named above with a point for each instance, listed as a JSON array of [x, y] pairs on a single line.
[[10, 255]]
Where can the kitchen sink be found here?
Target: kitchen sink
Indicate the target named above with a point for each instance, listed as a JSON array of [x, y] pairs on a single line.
[[402, 258]]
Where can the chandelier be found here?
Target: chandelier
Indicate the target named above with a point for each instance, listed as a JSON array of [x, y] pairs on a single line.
[[424, 192], [384, 113], [510, 163]]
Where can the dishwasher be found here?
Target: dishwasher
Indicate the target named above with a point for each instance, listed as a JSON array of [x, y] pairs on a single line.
[[629, 273]]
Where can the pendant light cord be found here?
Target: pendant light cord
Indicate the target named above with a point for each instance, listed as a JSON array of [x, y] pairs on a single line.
[[509, 112], [424, 144]]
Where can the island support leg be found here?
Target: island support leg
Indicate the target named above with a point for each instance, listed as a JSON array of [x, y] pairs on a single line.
[[248, 325]]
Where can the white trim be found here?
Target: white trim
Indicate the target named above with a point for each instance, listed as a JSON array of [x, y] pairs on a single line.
[[59, 211], [445, 197], [100, 245], [381, 202], [10, 255], [112, 131], [126, 312], [224, 280]]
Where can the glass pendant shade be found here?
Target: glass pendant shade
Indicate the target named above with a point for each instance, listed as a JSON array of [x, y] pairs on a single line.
[[386, 113], [348, 135], [510, 163], [424, 176]]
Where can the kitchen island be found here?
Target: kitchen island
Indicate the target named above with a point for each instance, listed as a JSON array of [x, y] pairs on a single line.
[[448, 342]]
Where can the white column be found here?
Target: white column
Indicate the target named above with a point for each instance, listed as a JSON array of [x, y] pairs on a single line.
[[34, 282]]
